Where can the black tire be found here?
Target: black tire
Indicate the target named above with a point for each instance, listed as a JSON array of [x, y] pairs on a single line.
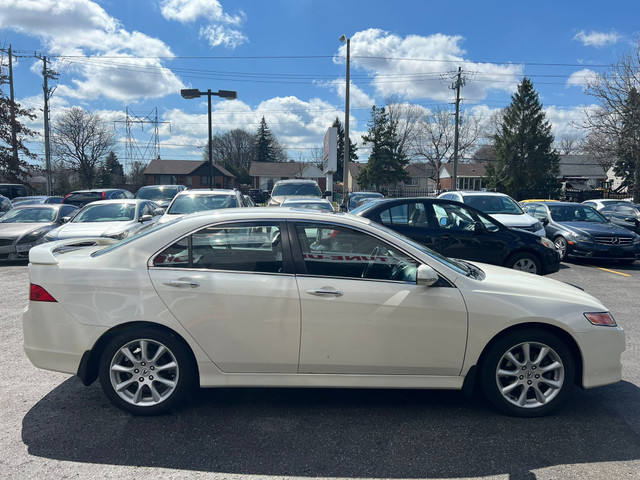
[[525, 262], [561, 247], [155, 382], [518, 389]]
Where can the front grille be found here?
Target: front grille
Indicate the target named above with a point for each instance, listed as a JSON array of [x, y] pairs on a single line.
[[5, 242], [622, 241]]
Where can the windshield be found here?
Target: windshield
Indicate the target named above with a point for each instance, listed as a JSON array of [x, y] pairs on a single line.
[[29, 215], [575, 213], [493, 204], [116, 212], [186, 204], [355, 198], [286, 189], [157, 193]]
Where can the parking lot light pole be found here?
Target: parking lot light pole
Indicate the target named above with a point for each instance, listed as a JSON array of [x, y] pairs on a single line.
[[345, 166], [190, 93]]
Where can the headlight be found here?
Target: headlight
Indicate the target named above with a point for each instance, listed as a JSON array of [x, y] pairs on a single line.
[[49, 237], [579, 237], [601, 319], [547, 243], [636, 239], [537, 226], [117, 236], [31, 237]]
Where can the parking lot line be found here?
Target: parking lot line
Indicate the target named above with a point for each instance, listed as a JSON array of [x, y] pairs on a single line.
[[611, 271]]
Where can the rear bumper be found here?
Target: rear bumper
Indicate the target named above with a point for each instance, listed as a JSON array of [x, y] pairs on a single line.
[[53, 340]]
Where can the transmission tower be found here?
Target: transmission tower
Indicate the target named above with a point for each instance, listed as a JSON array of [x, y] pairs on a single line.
[[141, 152]]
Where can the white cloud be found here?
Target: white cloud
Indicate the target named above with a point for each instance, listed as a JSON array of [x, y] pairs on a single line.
[[357, 97], [218, 35], [77, 29], [422, 67], [597, 39], [294, 122], [186, 11], [580, 78]]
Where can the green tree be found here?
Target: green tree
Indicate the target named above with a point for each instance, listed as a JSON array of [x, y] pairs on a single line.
[[353, 156], [234, 151], [13, 168], [386, 161], [110, 172], [626, 165], [525, 159], [265, 150]]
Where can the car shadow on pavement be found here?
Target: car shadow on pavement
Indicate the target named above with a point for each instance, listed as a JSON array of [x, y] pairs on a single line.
[[336, 433]]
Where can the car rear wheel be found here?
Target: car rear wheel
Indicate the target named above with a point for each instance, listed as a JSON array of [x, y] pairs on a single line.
[[527, 373], [561, 246], [524, 262], [146, 371]]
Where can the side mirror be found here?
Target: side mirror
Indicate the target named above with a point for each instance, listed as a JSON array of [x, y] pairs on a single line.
[[478, 227], [327, 194], [158, 211], [65, 219], [544, 221], [426, 276], [145, 218]]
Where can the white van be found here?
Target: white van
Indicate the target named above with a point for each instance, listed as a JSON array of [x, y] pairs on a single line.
[[500, 206]]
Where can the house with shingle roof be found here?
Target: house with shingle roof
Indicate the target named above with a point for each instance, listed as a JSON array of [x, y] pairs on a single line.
[[192, 173]]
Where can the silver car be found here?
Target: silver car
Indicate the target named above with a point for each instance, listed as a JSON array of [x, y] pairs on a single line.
[[25, 226], [108, 218]]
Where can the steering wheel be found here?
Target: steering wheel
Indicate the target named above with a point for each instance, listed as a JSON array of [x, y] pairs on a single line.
[[370, 263]]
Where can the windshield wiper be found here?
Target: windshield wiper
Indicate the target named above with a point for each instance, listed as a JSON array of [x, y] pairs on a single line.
[[472, 270]]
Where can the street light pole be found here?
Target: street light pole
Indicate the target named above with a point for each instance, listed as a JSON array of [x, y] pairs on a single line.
[[345, 166], [190, 93]]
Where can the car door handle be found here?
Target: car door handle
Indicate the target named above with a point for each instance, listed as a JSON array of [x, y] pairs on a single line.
[[323, 291], [182, 283]]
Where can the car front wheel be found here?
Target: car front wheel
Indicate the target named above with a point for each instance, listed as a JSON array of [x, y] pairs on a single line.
[[561, 246], [527, 373], [146, 371], [524, 262]]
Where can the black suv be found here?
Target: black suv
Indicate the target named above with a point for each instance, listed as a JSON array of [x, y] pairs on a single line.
[[458, 230], [80, 198]]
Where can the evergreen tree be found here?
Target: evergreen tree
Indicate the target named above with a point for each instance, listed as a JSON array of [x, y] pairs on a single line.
[[12, 169], [386, 162], [525, 159], [627, 165], [104, 178], [265, 150], [353, 156]]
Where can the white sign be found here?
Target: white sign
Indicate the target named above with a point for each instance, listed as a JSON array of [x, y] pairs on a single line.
[[330, 152]]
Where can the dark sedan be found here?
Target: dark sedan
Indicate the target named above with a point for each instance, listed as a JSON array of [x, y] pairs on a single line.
[[579, 231], [625, 215], [25, 226], [460, 231]]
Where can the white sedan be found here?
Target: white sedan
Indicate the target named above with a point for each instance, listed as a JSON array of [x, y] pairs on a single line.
[[108, 218], [283, 298]]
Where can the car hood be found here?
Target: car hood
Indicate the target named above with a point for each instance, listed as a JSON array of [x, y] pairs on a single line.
[[540, 290], [277, 200], [522, 220], [93, 229], [592, 228], [13, 230]]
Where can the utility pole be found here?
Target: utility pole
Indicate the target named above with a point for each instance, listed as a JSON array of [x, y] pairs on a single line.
[[12, 107], [459, 82], [47, 74]]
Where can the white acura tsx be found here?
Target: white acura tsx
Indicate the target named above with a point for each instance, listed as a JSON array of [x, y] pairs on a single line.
[[283, 298]]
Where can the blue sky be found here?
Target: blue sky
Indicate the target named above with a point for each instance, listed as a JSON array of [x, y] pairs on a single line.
[[284, 59]]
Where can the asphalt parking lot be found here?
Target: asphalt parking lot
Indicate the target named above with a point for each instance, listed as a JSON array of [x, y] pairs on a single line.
[[53, 427]]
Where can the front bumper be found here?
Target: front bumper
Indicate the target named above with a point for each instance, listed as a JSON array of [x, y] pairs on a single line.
[[601, 349], [603, 252]]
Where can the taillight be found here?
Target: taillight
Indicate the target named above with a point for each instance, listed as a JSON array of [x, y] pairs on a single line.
[[104, 195], [39, 294], [65, 197]]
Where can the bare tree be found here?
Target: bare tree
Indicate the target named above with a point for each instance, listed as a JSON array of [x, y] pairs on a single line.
[[570, 144], [611, 89], [435, 142], [80, 139], [407, 120]]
